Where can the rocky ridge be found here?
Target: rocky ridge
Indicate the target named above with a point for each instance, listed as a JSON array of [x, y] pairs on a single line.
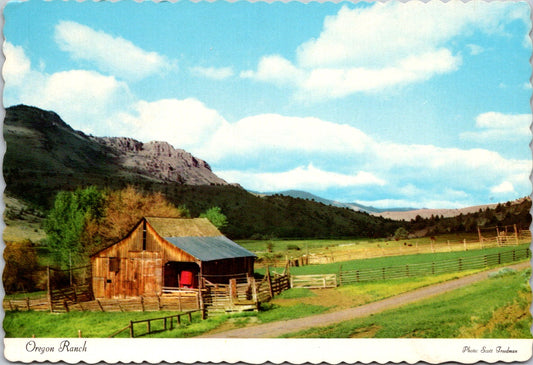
[[161, 160]]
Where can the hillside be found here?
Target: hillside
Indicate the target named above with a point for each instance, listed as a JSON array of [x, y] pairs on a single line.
[[354, 206], [45, 155]]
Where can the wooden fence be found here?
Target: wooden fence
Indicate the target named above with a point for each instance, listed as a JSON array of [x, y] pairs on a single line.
[[314, 281], [433, 268], [27, 304], [185, 300], [167, 322], [397, 249]]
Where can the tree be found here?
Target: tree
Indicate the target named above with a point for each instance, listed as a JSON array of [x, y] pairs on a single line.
[[21, 269], [401, 233], [66, 222], [216, 217], [123, 209]]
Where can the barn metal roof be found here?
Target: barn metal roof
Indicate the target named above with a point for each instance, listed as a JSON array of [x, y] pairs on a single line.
[[210, 248]]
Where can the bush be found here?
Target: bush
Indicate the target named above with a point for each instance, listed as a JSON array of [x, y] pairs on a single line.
[[22, 272]]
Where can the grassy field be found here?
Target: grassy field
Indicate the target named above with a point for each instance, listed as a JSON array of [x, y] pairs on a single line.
[[294, 303], [389, 261], [291, 247], [475, 311]]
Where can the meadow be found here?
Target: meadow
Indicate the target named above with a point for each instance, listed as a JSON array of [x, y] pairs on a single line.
[[297, 303], [475, 311], [388, 261]]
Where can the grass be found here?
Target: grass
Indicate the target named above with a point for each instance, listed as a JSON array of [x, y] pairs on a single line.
[[394, 261], [293, 303], [475, 311]]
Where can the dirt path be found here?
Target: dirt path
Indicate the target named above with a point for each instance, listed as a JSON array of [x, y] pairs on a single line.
[[275, 329]]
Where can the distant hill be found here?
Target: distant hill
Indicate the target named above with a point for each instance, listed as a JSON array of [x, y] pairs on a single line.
[[45, 155], [355, 206]]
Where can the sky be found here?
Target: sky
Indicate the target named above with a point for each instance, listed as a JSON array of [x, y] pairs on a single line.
[[385, 104]]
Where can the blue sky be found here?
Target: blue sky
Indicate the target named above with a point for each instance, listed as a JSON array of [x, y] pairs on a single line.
[[421, 105]]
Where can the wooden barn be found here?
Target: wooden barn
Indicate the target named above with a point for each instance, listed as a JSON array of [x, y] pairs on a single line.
[[167, 253]]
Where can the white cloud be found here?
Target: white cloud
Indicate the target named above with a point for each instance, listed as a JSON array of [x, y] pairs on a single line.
[[17, 65], [499, 126], [115, 55], [185, 123], [277, 70], [282, 134], [308, 177], [328, 83], [475, 49], [504, 187], [84, 99], [356, 53], [213, 72]]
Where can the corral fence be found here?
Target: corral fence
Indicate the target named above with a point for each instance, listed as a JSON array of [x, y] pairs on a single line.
[[433, 268], [242, 293], [68, 287], [487, 238], [323, 281]]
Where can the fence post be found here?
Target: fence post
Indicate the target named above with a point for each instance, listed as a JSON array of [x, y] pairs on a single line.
[[340, 274], [407, 270], [514, 255], [270, 282], [48, 289], [464, 242], [460, 264], [383, 272], [131, 329]]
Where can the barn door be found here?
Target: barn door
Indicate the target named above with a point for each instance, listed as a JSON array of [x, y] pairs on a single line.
[[145, 274], [152, 276]]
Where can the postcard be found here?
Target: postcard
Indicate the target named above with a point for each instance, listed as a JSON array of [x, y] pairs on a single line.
[[275, 182]]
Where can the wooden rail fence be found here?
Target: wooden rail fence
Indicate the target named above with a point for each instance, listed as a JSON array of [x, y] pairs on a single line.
[[314, 281], [433, 268], [167, 323], [186, 300]]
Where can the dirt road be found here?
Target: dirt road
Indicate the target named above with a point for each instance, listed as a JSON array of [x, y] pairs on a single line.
[[275, 329]]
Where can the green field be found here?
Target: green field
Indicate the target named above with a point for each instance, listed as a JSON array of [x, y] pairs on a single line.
[[294, 303], [475, 311], [389, 261]]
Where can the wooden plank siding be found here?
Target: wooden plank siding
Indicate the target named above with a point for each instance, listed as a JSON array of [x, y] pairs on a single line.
[[135, 265], [138, 272]]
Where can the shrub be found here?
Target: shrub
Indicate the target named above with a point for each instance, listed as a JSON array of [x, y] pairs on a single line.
[[22, 271]]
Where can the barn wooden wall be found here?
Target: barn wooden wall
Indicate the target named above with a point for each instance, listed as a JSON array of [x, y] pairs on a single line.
[[126, 270], [219, 271]]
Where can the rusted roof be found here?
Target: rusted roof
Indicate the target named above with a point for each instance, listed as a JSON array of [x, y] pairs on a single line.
[[183, 227]]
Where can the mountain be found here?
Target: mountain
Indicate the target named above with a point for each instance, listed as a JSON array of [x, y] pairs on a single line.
[[445, 213], [354, 206], [160, 161], [45, 155]]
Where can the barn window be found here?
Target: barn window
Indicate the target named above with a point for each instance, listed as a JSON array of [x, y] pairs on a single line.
[[114, 264]]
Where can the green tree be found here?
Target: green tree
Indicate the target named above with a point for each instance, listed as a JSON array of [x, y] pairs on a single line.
[[66, 222], [401, 233], [216, 217]]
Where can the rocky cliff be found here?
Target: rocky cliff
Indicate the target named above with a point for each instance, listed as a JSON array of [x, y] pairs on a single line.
[[161, 161]]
